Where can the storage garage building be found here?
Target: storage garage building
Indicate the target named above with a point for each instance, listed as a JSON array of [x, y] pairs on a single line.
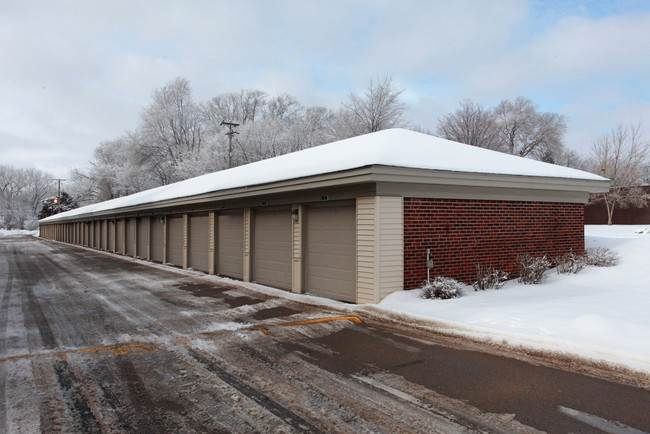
[[351, 220]]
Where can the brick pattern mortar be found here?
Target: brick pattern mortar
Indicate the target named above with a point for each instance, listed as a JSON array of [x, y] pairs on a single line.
[[462, 233]]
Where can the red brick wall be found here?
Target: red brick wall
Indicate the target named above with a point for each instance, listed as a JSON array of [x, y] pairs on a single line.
[[462, 233]]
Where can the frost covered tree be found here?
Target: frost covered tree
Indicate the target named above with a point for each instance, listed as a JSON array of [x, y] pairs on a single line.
[[378, 108], [21, 194], [570, 158], [622, 156], [514, 127], [178, 138], [269, 125], [526, 132], [55, 205], [471, 124], [171, 131]]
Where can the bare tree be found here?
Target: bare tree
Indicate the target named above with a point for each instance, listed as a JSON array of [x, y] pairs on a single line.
[[570, 158], [21, 194], [526, 132], [471, 124], [241, 107], [377, 109], [622, 156], [172, 130]]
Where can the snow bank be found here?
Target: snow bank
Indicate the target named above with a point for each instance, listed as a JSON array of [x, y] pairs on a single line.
[[600, 313], [14, 232]]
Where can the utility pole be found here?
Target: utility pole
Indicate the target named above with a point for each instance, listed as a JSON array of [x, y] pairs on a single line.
[[58, 195], [231, 132]]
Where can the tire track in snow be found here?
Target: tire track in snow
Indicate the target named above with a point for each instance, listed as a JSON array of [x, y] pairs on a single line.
[[259, 398], [48, 341], [74, 399], [7, 283]]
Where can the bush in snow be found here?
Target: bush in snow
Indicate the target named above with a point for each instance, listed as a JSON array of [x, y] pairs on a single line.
[[532, 268], [487, 278], [570, 263], [443, 288], [601, 257]]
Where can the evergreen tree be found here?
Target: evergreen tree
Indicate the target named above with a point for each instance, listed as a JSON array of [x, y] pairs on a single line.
[[55, 205]]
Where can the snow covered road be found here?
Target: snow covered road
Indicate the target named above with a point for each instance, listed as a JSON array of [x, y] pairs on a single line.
[[91, 342]]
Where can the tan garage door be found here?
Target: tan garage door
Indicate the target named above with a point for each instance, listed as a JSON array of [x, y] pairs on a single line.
[[143, 236], [111, 236], [87, 234], [157, 234], [199, 246], [272, 247], [175, 240], [96, 234], [331, 252], [230, 245], [119, 236], [104, 235], [130, 237]]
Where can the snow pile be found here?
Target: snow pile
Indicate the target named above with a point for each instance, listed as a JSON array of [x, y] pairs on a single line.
[[15, 232], [600, 313]]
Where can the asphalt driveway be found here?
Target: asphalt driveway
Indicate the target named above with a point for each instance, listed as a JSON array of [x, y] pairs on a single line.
[[92, 342]]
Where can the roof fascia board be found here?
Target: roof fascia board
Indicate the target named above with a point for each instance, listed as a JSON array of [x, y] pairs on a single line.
[[438, 177]]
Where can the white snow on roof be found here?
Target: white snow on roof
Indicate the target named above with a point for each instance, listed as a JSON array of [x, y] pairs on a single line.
[[395, 147]]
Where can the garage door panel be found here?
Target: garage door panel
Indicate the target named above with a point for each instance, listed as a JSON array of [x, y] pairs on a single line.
[[111, 236], [175, 241], [199, 243], [130, 237], [230, 245], [104, 235], [119, 241], [143, 237], [157, 236], [331, 252], [273, 248]]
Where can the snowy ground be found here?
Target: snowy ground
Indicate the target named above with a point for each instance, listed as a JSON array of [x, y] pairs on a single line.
[[13, 232], [600, 313]]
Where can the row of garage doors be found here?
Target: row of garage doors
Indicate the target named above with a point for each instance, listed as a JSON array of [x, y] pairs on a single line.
[[327, 247], [329, 244]]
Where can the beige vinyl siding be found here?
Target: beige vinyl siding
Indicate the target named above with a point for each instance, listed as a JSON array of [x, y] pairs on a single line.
[[199, 242], [391, 263], [230, 244], [175, 240], [297, 228], [380, 247]]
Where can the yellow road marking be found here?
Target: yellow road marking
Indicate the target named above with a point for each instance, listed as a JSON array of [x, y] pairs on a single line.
[[264, 329], [117, 350], [120, 349]]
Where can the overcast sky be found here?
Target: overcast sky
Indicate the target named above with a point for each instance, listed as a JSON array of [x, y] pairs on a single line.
[[76, 73]]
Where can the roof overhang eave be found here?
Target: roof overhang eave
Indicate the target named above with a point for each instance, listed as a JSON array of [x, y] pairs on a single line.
[[361, 175]]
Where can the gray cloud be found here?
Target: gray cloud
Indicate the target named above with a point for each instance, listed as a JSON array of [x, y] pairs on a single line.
[[75, 74]]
